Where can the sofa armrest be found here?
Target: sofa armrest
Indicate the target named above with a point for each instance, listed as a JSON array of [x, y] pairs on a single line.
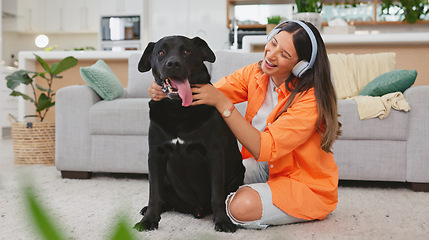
[[418, 134], [72, 138]]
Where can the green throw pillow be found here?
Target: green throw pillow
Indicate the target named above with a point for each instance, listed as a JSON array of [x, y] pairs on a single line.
[[394, 81], [102, 80]]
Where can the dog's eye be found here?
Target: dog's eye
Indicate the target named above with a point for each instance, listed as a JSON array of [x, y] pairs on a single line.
[[161, 53], [187, 52]]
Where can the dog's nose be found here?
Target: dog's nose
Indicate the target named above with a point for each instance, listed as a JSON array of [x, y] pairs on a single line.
[[172, 63]]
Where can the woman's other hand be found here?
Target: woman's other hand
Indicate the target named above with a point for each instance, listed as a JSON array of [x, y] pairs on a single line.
[[155, 92]]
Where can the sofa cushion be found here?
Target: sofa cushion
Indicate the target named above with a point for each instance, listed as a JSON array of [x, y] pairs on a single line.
[[122, 116], [138, 83], [102, 80], [374, 160], [228, 62], [393, 81], [393, 127], [119, 153]]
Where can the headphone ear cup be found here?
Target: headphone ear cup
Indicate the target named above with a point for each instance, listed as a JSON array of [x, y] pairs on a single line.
[[273, 33], [300, 68]]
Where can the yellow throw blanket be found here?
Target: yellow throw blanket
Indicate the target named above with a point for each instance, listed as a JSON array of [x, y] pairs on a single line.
[[371, 107], [351, 72]]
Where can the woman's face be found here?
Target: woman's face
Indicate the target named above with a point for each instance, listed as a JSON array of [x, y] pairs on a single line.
[[280, 57]]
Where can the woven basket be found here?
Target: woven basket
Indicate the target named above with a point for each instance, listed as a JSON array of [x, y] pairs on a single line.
[[33, 142]]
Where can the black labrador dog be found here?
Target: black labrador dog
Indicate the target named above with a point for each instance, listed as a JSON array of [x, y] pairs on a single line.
[[194, 160]]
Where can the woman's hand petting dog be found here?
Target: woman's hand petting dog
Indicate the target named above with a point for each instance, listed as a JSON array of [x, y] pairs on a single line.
[[155, 92], [209, 95]]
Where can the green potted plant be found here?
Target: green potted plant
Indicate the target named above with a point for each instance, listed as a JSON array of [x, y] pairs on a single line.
[[308, 6], [44, 101], [272, 22], [34, 142], [309, 11], [411, 10]]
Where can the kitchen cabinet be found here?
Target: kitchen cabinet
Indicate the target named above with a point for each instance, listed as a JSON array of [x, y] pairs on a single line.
[[54, 16], [121, 7], [30, 15], [79, 15], [92, 15], [72, 16]]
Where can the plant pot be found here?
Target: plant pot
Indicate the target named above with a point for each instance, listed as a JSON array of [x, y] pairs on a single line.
[[33, 142], [270, 27], [312, 17]]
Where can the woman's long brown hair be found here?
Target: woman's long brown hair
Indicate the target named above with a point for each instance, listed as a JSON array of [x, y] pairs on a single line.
[[319, 77]]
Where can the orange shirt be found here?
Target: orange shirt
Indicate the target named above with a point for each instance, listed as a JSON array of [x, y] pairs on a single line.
[[303, 178]]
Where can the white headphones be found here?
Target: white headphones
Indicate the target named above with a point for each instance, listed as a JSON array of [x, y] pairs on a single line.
[[302, 66]]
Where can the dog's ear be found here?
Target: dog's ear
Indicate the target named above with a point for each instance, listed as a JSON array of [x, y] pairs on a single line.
[[144, 64], [208, 54]]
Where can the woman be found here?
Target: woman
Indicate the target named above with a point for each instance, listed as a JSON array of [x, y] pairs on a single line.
[[287, 132]]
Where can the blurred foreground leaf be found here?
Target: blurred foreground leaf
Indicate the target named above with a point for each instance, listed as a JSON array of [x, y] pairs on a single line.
[[42, 222], [123, 231], [46, 227]]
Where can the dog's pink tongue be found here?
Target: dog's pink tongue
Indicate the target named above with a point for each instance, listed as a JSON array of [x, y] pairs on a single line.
[[184, 89]]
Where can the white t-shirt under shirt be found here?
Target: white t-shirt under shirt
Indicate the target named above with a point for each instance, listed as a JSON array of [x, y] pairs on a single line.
[[257, 172], [271, 100]]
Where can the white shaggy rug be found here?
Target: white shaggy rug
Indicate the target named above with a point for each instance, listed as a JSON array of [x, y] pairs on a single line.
[[88, 209]]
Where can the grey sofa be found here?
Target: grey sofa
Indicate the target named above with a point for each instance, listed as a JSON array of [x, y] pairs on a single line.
[[93, 135]]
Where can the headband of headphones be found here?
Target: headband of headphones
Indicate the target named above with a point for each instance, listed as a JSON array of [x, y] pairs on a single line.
[[302, 66]]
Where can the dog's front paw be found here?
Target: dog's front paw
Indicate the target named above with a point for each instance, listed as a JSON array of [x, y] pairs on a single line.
[[146, 226], [225, 226]]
